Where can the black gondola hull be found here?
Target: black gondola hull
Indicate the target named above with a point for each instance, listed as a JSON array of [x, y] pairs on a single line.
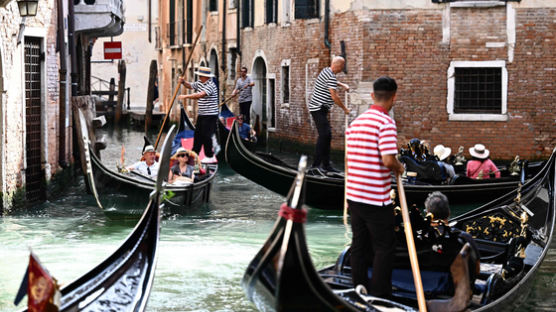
[[328, 192], [116, 189]]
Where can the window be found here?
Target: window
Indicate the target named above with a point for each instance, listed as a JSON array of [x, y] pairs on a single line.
[[285, 82], [272, 102], [233, 4], [306, 9], [189, 22], [271, 11], [172, 23], [477, 90], [213, 5], [232, 58], [247, 13]]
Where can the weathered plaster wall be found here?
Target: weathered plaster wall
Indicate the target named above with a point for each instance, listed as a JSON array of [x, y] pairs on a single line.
[[137, 52]]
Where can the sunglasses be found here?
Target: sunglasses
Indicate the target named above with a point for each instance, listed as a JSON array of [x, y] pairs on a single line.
[[181, 155]]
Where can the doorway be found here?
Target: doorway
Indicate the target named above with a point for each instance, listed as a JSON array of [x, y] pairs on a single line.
[[259, 105], [34, 175], [213, 64]]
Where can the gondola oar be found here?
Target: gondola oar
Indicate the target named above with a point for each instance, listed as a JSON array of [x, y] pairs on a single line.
[[346, 165], [411, 248], [177, 88], [232, 96]]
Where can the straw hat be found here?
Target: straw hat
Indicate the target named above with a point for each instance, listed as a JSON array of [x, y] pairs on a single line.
[[148, 148], [204, 71], [442, 152], [180, 151], [479, 151]]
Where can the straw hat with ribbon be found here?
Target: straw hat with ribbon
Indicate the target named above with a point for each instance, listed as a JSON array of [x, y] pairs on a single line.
[[204, 71], [479, 151]]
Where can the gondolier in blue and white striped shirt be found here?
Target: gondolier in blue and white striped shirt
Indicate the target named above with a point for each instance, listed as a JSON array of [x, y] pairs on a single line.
[[206, 94], [323, 98]]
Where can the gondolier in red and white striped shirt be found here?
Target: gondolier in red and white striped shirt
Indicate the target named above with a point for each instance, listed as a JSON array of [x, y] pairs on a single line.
[[371, 155]]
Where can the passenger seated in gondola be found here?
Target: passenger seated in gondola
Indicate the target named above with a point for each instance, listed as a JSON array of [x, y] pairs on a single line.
[[480, 166], [181, 171], [442, 153], [148, 166], [245, 131]]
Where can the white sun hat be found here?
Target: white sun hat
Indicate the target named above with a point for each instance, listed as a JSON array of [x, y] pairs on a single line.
[[442, 152], [479, 151]]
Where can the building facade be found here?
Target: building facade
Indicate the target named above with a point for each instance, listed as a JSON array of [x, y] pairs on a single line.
[[468, 71], [30, 103], [44, 61], [179, 22]]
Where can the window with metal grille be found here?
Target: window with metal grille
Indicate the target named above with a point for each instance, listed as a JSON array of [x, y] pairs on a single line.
[[247, 14], [271, 11], [306, 9], [478, 90], [213, 5], [285, 84]]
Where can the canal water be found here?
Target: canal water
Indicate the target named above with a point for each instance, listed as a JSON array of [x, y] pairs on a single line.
[[203, 253]]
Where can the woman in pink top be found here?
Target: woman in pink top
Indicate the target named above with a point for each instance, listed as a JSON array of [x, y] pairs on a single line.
[[480, 167]]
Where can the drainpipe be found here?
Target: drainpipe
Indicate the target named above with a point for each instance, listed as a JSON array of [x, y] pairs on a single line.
[[72, 48], [238, 29], [223, 58], [327, 24], [63, 85]]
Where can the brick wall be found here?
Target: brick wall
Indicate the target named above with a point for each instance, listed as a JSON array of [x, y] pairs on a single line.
[[408, 46]]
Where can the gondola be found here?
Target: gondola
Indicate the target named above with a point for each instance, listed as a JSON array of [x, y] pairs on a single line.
[[111, 185], [124, 280], [510, 237], [327, 191]]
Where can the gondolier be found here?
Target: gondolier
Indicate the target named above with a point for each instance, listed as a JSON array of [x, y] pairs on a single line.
[[323, 98], [371, 155], [244, 86], [206, 94]]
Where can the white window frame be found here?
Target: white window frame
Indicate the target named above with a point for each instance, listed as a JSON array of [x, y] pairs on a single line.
[[283, 64], [269, 100], [452, 89]]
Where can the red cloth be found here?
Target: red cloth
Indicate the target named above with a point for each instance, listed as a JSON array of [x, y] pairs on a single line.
[[475, 167], [41, 287], [296, 215], [370, 136]]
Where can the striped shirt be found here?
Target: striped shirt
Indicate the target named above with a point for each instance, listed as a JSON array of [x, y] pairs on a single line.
[[245, 94], [321, 94], [370, 136], [208, 105]]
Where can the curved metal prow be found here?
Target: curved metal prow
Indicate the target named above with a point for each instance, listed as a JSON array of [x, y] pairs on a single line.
[[523, 173], [296, 190]]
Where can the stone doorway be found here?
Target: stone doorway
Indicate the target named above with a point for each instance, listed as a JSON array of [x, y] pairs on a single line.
[[259, 114]]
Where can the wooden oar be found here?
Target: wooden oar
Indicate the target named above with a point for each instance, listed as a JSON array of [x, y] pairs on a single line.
[[178, 87], [122, 156], [345, 164], [411, 247], [232, 96]]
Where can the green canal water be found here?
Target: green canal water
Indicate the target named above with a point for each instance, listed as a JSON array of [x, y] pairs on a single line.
[[202, 253]]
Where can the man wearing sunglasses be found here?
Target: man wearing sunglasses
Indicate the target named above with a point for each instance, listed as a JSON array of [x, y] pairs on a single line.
[[148, 166]]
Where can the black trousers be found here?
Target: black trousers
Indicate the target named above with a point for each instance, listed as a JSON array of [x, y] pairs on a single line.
[[373, 244], [322, 151], [204, 129], [245, 110]]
